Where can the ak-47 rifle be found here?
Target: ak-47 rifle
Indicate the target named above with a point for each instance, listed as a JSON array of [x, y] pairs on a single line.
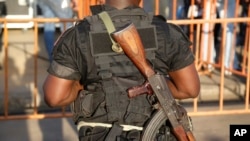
[[130, 41]]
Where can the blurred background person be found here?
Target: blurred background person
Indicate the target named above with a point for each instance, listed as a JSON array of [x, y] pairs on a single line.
[[228, 12], [166, 8], [207, 37], [54, 9], [241, 35], [212, 34]]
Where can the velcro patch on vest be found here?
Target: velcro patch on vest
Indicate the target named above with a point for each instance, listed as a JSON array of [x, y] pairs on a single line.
[[101, 43]]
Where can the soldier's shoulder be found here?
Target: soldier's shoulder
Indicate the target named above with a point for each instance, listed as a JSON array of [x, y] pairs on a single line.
[[177, 32]]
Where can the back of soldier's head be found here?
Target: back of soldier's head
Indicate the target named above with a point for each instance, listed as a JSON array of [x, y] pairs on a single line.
[[122, 3]]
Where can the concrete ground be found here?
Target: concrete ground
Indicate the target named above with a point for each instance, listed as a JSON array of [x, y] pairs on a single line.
[[206, 128], [21, 83]]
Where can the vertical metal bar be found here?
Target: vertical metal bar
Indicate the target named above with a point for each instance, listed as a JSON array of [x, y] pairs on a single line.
[[225, 16], [86, 8], [35, 92], [191, 27], [157, 9], [248, 65], [195, 104], [93, 2], [202, 35], [81, 8], [197, 44], [244, 62], [174, 9], [6, 71], [248, 77], [208, 32], [197, 47], [222, 77], [141, 3]]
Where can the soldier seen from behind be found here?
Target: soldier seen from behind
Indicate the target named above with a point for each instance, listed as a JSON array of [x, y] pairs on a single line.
[[93, 77]]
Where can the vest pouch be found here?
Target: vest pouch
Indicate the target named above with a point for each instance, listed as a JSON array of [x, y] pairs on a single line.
[[139, 111], [87, 103], [87, 133]]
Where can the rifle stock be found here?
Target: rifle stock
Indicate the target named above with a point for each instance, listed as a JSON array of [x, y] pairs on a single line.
[[129, 40]]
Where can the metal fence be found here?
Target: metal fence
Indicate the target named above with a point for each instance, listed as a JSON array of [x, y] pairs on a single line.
[[196, 35]]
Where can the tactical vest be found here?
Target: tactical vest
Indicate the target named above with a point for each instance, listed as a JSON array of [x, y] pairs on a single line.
[[106, 100]]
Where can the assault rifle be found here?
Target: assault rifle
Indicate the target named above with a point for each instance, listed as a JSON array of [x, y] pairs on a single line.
[[130, 41]]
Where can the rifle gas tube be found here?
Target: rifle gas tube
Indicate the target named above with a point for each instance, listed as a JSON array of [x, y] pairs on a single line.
[[130, 41]]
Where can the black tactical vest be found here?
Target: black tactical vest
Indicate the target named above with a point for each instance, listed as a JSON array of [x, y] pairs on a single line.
[[105, 98]]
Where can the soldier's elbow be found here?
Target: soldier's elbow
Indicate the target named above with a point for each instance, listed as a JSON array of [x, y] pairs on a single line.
[[194, 93], [51, 99], [52, 103]]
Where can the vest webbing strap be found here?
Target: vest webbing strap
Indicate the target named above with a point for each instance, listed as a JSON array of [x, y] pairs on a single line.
[[110, 28], [112, 96]]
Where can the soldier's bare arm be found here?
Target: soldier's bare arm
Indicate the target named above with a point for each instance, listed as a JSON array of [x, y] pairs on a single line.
[[60, 92], [184, 83]]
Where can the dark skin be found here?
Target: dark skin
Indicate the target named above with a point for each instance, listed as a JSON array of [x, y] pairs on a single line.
[[61, 92]]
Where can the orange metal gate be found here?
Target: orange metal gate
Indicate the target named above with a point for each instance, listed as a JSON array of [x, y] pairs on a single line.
[[197, 42]]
